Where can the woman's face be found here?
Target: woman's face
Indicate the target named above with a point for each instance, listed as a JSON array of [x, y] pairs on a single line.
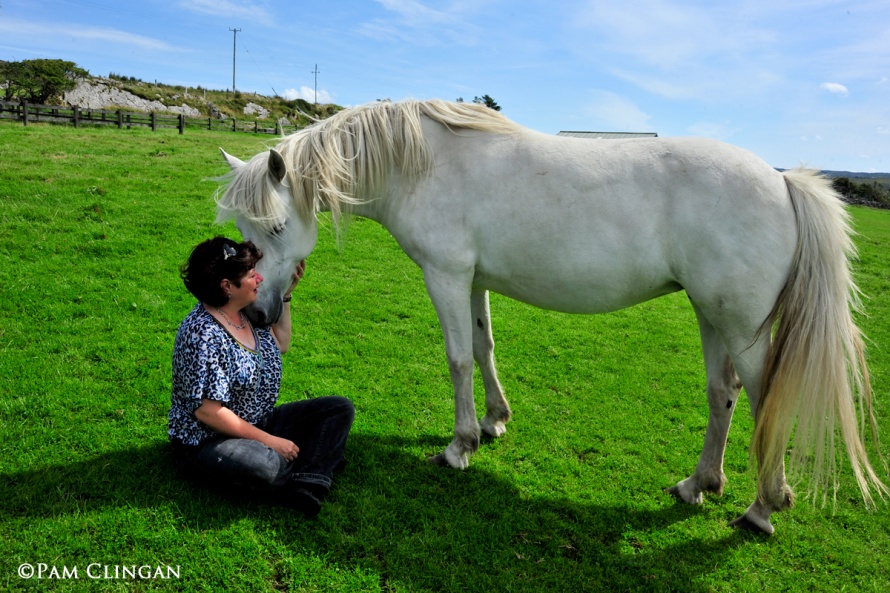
[[245, 294]]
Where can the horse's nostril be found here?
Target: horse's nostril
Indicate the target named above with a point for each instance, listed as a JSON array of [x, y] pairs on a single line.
[[257, 317], [260, 318]]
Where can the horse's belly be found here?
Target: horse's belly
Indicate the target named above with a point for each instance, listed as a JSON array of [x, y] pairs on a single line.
[[583, 292]]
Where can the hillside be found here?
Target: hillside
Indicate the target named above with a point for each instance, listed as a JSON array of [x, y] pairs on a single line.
[[119, 92]]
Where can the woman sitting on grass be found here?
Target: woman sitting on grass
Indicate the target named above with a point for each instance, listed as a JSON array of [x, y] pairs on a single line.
[[224, 426]]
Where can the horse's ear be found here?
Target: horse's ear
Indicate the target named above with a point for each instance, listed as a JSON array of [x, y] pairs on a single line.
[[233, 162], [277, 167]]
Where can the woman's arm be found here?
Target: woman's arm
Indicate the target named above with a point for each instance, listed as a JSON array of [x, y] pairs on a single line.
[[225, 421], [281, 329]]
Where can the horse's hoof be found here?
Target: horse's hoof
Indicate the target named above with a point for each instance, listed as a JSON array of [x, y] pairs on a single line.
[[675, 492], [448, 458], [694, 498], [493, 429], [439, 460], [748, 524]]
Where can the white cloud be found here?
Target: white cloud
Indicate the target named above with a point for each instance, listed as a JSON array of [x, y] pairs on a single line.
[[713, 53], [229, 9], [413, 22], [308, 94], [669, 36], [835, 88], [22, 28], [414, 12]]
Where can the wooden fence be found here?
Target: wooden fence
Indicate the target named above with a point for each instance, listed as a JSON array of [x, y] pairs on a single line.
[[30, 113]]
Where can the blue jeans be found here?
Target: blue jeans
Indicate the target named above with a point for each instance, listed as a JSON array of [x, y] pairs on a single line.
[[319, 427]]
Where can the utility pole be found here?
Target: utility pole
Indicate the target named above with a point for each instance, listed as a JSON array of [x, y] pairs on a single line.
[[234, 47], [315, 72]]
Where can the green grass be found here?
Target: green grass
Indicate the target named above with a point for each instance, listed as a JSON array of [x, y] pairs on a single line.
[[608, 411]]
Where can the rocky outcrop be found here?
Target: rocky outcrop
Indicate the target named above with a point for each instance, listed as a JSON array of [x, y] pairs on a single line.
[[253, 108], [99, 95]]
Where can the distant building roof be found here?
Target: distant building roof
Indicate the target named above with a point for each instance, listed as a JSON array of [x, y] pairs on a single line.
[[608, 135]]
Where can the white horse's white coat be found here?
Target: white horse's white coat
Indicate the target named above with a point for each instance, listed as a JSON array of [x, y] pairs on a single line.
[[582, 226]]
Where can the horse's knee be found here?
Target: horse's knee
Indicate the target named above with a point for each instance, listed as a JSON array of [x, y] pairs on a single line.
[[460, 363]]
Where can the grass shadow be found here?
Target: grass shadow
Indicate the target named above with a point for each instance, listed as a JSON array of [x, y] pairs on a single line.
[[418, 526]]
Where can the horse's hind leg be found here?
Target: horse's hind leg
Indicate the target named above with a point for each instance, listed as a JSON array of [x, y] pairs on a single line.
[[723, 392], [497, 410], [746, 349]]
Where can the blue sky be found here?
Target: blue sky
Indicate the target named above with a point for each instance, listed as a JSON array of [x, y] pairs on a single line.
[[796, 81]]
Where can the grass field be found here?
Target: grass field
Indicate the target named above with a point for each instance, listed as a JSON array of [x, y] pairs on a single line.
[[609, 410]]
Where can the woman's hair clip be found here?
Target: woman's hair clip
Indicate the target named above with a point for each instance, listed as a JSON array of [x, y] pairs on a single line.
[[228, 251]]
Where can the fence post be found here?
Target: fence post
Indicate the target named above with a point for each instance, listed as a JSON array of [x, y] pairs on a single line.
[[76, 116], [25, 112], [210, 123], [234, 125], [154, 122], [120, 119], [181, 123]]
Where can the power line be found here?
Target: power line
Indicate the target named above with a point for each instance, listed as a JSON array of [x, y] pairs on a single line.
[[261, 72]]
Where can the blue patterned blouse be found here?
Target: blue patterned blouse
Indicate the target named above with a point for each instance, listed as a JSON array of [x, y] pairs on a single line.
[[208, 363]]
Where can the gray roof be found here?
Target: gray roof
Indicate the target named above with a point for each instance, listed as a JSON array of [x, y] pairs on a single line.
[[608, 135]]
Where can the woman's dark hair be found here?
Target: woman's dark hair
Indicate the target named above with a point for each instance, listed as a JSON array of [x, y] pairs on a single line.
[[214, 260]]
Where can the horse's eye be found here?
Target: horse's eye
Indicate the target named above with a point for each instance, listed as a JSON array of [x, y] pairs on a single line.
[[277, 230]]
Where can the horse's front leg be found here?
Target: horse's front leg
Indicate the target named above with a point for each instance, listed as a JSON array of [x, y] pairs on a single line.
[[450, 294], [497, 410]]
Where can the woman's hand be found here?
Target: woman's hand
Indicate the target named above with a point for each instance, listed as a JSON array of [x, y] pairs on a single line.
[[281, 329], [225, 421], [285, 448], [298, 274]]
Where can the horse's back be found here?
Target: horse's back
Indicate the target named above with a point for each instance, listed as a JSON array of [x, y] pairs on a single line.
[[591, 226]]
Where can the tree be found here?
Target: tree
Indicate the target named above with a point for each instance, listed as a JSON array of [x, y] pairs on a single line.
[[488, 102], [483, 100], [851, 190], [37, 81]]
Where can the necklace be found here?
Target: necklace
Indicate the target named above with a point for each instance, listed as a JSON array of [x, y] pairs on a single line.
[[230, 322]]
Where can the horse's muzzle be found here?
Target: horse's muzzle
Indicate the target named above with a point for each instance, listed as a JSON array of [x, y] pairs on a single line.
[[260, 317]]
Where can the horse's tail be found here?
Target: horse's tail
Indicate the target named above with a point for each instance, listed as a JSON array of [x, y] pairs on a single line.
[[815, 371]]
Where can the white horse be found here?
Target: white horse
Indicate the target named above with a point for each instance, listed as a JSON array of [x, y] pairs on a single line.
[[482, 204]]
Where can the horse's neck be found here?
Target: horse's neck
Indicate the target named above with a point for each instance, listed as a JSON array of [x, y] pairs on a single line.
[[378, 205]]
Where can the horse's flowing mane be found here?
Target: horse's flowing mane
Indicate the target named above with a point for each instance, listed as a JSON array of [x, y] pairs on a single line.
[[346, 157]]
